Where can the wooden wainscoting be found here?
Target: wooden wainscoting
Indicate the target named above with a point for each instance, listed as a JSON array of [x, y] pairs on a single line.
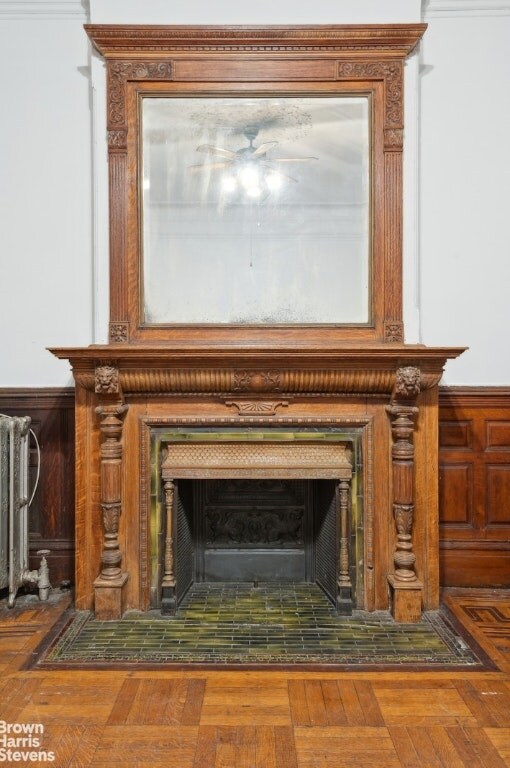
[[474, 481], [52, 511], [474, 486]]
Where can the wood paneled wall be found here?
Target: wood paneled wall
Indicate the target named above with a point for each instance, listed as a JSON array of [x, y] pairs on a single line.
[[474, 482], [52, 511], [474, 486]]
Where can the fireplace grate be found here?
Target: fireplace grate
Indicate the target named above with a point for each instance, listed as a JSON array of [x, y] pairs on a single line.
[[184, 570]]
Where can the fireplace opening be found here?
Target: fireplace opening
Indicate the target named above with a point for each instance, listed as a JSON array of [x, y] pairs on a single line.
[[252, 530], [239, 531], [259, 508], [257, 531]]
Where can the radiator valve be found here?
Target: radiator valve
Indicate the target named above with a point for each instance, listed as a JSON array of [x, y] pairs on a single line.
[[43, 582], [41, 578]]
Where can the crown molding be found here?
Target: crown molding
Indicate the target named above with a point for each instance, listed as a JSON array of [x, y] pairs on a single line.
[[443, 9], [395, 41], [41, 10]]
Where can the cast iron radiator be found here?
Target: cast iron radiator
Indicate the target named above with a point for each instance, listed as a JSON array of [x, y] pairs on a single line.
[[14, 503]]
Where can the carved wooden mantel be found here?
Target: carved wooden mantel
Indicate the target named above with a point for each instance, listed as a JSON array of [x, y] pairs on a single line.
[[352, 375], [392, 386], [258, 371]]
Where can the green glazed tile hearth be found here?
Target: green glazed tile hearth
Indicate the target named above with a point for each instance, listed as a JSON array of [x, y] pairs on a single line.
[[268, 624]]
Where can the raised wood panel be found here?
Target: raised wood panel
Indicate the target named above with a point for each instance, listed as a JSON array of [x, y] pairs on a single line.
[[498, 494], [498, 435], [231, 71], [455, 494], [475, 516], [52, 510], [455, 434], [475, 567]]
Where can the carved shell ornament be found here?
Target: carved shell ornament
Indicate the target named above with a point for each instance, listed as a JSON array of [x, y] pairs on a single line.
[[266, 407]]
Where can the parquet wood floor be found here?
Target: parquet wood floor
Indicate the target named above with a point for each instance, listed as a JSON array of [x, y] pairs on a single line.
[[263, 719]]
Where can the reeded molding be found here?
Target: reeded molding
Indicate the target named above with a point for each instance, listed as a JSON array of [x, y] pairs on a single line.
[[371, 370], [114, 41]]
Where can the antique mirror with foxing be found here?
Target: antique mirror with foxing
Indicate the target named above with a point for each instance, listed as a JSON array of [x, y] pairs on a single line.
[[255, 180]]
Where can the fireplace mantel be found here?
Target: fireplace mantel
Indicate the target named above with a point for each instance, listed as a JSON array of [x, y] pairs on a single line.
[[312, 345], [257, 370], [387, 392]]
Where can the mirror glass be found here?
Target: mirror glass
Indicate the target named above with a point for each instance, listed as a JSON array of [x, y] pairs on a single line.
[[256, 210]]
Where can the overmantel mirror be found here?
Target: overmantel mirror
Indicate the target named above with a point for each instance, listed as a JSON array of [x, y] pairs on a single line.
[[255, 182]]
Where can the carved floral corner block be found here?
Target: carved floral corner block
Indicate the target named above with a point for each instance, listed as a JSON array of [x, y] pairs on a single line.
[[408, 383], [119, 333], [394, 331], [257, 381], [117, 139], [257, 407], [393, 139], [106, 380]]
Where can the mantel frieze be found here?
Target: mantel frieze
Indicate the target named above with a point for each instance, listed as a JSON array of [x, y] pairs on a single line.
[[151, 372]]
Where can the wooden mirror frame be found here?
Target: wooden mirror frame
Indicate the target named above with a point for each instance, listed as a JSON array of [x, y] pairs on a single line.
[[267, 60]]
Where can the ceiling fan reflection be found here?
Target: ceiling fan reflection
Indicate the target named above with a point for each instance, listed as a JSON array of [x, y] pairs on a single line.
[[248, 169]]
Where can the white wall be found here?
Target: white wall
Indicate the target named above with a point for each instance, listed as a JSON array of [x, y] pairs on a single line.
[[261, 12], [465, 187], [45, 192], [54, 224]]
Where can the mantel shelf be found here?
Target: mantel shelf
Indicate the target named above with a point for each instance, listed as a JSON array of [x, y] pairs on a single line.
[[371, 353]]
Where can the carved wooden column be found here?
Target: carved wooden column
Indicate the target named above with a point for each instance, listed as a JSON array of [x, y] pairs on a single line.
[[344, 584], [168, 598], [406, 589], [109, 585]]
